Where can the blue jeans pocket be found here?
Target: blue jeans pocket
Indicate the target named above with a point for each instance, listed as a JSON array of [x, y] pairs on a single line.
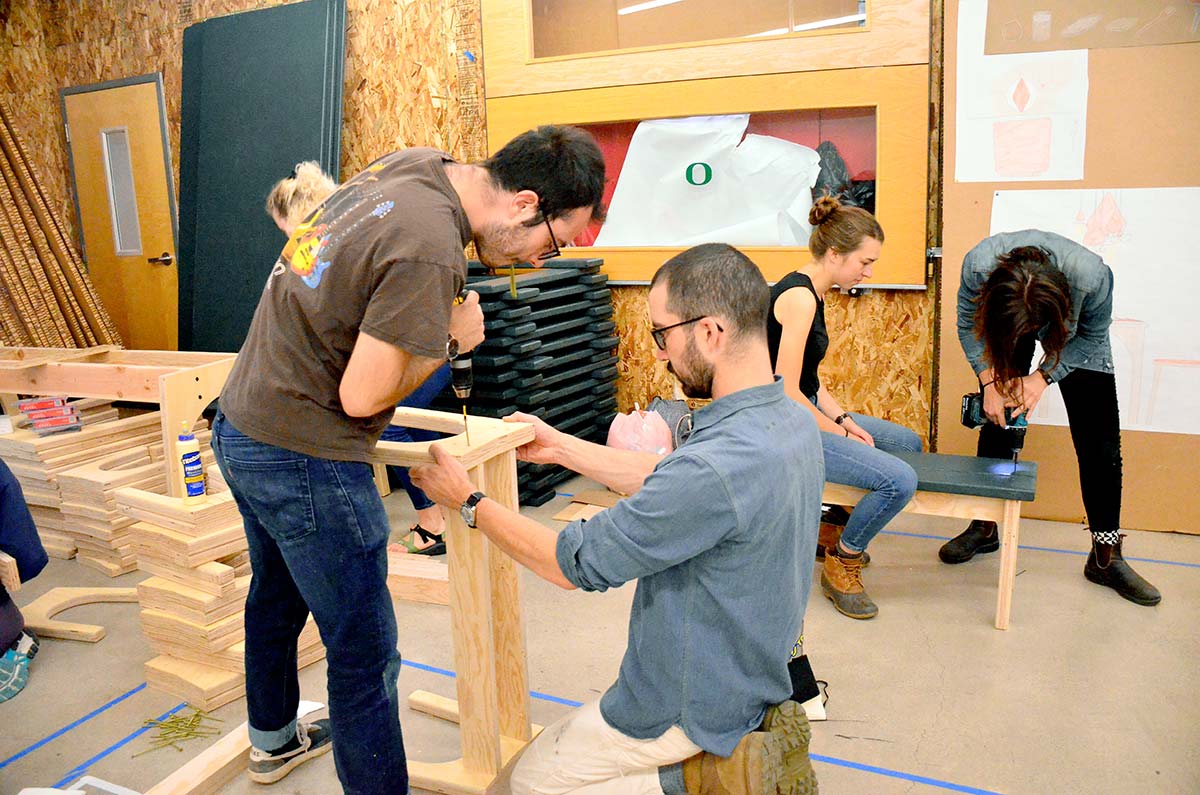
[[277, 491]]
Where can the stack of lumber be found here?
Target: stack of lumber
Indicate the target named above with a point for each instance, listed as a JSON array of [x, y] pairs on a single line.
[[192, 609], [37, 461], [99, 529]]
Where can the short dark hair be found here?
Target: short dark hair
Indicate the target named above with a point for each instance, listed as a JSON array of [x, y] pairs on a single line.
[[1023, 295], [717, 279], [562, 165]]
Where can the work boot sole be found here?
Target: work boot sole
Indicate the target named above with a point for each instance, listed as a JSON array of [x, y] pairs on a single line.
[[786, 767], [831, 595], [1100, 579], [991, 546]]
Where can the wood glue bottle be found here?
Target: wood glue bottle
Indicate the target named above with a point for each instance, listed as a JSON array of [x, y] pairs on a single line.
[[192, 468]]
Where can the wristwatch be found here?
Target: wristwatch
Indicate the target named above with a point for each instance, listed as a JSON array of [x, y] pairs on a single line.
[[467, 509], [1046, 376], [451, 348], [841, 418]]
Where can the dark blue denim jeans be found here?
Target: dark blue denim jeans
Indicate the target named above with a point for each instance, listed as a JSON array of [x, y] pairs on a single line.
[[318, 534], [420, 398]]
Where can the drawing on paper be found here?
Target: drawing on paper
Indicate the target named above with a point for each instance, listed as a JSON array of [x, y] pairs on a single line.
[[1146, 237]]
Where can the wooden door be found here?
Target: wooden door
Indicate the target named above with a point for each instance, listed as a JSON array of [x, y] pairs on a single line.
[[125, 199]]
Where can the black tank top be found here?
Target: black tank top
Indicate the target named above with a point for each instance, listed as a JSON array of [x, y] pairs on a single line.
[[818, 338]]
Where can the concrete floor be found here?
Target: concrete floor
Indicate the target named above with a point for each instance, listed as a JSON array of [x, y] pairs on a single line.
[[1087, 693]]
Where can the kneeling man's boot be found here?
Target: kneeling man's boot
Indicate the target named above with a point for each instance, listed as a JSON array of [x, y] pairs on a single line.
[[771, 761]]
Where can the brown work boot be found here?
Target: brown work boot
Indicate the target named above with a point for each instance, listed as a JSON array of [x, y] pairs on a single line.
[[827, 538], [841, 581], [771, 761]]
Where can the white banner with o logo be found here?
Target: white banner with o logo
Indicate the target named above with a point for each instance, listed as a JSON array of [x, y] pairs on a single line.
[[702, 180]]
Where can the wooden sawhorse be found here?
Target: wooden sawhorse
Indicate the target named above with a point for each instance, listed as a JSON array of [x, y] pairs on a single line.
[[967, 487]]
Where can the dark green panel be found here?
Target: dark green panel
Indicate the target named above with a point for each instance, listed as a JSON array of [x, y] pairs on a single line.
[[262, 91]]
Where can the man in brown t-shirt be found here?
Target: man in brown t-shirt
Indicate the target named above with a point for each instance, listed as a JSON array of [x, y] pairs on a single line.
[[357, 312]]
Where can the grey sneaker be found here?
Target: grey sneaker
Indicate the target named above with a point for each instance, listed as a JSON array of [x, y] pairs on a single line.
[[315, 739]]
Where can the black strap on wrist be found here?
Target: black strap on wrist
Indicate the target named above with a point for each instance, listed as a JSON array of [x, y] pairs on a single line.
[[841, 418]]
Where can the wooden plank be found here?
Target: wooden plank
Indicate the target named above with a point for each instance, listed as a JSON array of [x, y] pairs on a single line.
[[212, 769], [202, 686], [187, 550], [211, 637], [215, 578], [416, 578], [10, 576], [1009, 539], [192, 604], [467, 552], [578, 510], [218, 511], [39, 614], [508, 629]]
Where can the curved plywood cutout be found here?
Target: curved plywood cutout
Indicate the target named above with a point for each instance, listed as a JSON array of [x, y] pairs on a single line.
[[39, 614]]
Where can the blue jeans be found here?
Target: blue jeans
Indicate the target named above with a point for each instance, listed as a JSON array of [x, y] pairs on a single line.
[[318, 534], [419, 398], [890, 483]]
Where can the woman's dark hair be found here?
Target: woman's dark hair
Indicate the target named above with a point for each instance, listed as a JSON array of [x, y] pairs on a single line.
[[562, 165], [1023, 296], [839, 227]]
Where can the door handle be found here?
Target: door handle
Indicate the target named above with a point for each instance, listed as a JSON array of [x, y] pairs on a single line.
[[165, 260]]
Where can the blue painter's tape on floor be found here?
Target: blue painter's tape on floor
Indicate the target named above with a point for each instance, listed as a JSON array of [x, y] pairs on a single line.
[[70, 726], [82, 768], [443, 672], [883, 771], [1079, 553]]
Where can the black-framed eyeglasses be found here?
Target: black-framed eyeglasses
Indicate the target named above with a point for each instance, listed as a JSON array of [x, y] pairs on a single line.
[[660, 334], [554, 250]]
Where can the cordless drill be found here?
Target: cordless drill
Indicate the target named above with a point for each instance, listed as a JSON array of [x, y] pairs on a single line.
[[973, 417], [462, 377]]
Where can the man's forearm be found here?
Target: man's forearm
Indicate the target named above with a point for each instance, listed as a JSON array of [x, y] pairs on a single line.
[[621, 470], [530, 543]]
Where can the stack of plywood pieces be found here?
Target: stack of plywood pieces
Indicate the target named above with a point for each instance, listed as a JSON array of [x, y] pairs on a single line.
[[193, 607], [91, 518], [36, 461]]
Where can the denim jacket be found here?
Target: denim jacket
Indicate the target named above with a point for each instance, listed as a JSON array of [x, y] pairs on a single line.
[[720, 539], [1088, 346]]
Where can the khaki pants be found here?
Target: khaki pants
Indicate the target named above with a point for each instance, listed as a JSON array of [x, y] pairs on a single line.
[[583, 754]]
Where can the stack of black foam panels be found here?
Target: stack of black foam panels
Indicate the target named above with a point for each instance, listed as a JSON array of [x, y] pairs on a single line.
[[551, 352]]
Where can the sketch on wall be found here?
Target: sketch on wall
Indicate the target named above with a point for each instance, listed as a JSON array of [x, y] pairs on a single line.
[[1019, 117], [1041, 25], [1146, 236]]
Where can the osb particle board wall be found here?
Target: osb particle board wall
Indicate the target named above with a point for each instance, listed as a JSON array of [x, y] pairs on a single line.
[[407, 82], [1141, 133], [879, 362]]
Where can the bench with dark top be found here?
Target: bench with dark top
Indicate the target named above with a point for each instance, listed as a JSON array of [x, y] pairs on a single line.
[[967, 487]]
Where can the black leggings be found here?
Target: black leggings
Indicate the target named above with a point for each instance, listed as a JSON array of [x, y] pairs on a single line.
[[1091, 401]]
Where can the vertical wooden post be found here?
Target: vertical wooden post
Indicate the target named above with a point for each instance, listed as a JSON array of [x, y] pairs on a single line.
[[1009, 533], [508, 628], [182, 397], [467, 552]]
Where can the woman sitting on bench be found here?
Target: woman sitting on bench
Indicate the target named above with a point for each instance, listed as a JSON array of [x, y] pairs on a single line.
[[845, 242], [1018, 287]]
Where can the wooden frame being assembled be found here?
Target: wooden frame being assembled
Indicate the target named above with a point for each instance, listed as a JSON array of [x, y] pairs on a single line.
[[183, 383], [486, 623]]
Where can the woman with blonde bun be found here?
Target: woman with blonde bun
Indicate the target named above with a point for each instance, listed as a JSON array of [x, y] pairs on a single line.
[[294, 197], [845, 242]]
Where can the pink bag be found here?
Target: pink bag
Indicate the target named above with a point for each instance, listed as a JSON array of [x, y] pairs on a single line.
[[643, 431]]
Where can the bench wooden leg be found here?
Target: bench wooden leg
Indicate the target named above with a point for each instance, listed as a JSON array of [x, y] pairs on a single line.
[[1009, 533]]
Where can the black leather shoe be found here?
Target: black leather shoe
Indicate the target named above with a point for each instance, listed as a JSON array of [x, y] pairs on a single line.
[[979, 537], [1119, 575]]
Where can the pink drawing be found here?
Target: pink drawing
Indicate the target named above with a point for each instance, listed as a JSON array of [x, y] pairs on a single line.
[[1106, 222], [1021, 95], [1022, 147]]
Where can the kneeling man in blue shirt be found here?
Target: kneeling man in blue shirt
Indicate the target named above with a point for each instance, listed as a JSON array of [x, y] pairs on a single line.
[[720, 535]]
